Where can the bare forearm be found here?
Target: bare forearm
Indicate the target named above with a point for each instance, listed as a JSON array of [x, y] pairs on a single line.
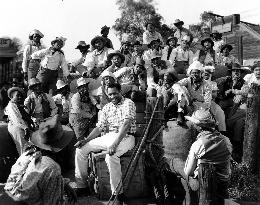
[[123, 130]]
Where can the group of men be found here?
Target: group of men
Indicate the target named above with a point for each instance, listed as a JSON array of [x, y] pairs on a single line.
[[108, 82]]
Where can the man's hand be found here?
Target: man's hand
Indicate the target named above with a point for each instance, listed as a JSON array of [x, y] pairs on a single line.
[[112, 148], [80, 143]]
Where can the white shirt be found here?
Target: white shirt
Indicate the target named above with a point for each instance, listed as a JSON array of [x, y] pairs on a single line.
[[178, 54], [27, 52], [148, 37], [51, 61], [250, 78], [15, 116]]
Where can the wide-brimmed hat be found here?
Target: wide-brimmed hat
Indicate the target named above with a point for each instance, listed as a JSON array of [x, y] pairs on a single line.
[[216, 33], [35, 31], [209, 69], [60, 84], [107, 73], [207, 39], [228, 46], [96, 38], [178, 21], [82, 81], [33, 82], [13, 89], [170, 38], [202, 118], [105, 28], [52, 135], [82, 44], [196, 65], [62, 39], [115, 53]]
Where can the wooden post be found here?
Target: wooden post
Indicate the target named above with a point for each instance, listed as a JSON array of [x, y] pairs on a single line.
[[240, 49]]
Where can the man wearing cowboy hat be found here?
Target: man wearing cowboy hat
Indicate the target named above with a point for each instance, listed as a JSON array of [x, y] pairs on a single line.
[[213, 149], [151, 34], [104, 33], [83, 110], [181, 31], [39, 105], [95, 61], [154, 47], [207, 51], [170, 45], [62, 101], [218, 41], [35, 45], [181, 57], [52, 62], [40, 179], [126, 50], [116, 59], [117, 122], [20, 122], [84, 50], [225, 58]]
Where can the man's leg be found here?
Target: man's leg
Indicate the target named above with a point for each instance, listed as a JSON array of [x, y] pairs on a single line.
[[219, 116], [114, 166]]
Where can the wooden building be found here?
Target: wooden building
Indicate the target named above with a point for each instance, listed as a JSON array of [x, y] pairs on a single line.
[[243, 36], [7, 60]]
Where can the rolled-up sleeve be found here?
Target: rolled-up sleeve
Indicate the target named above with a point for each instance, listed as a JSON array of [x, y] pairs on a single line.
[[102, 121], [64, 66], [130, 110], [25, 58]]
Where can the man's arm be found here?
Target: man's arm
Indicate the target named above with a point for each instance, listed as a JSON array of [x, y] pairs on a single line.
[[40, 54]]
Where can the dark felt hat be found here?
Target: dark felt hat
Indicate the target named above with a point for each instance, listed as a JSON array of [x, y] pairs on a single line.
[[97, 38], [82, 44], [207, 39], [228, 46], [115, 53]]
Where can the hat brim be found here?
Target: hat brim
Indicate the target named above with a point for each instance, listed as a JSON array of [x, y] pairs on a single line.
[[208, 123], [229, 47], [80, 46], [67, 136], [110, 56], [178, 23], [175, 39], [97, 38], [13, 89], [205, 40]]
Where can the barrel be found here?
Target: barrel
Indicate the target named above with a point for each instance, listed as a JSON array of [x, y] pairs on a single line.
[[177, 141], [8, 152]]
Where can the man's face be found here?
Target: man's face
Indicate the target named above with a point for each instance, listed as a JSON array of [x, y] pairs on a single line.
[[108, 80], [155, 61], [105, 32], [58, 45], [226, 51], [236, 73], [99, 44], [83, 90], [207, 45], [83, 49], [178, 25], [116, 60], [114, 95], [137, 48], [36, 38], [17, 97], [172, 42], [257, 72], [37, 88], [184, 43], [195, 75], [150, 28], [206, 75]]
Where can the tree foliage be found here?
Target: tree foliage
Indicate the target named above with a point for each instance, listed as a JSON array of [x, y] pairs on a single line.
[[135, 14]]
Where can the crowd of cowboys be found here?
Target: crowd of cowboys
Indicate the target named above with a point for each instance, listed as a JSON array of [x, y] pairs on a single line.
[[101, 111]]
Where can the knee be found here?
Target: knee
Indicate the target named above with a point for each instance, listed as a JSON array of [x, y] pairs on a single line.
[[81, 154]]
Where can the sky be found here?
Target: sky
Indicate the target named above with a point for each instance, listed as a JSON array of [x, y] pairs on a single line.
[[82, 19]]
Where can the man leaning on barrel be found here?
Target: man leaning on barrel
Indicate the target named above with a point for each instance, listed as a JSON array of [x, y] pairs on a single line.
[[117, 126]]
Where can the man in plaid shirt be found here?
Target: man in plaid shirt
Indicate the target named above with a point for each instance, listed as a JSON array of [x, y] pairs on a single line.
[[117, 122]]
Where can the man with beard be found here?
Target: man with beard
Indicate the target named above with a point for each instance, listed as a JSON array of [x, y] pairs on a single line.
[[82, 111], [225, 58], [117, 122], [181, 31]]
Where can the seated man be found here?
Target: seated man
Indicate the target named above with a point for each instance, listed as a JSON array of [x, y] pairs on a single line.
[[154, 48], [193, 92], [117, 121], [225, 58], [38, 104], [213, 149], [116, 59]]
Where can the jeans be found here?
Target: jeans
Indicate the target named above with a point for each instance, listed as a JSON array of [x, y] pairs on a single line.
[[113, 161]]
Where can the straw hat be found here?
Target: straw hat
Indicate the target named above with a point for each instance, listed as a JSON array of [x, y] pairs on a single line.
[[202, 117], [60, 84], [13, 89], [115, 53], [35, 31], [62, 39], [52, 135]]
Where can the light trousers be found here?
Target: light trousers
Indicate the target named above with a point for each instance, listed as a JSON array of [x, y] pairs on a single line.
[[113, 161]]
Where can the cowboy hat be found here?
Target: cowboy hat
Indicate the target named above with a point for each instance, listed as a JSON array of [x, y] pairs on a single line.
[[228, 46], [33, 82], [82, 81], [97, 38], [196, 65], [115, 53], [170, 38], [107, 73], [152, 41], [62, 39], [82, 44], [178, 21], [60, 84], [35, 31], [105, 28], [13, 89], [201, 117], [207, 39], [216, 33], [52, 135]]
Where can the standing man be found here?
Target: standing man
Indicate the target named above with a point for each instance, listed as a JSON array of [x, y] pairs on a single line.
[[151, 34], [181, 31], [104, 33], [30, 69], [53, 60], [117, 122], [84, 49]]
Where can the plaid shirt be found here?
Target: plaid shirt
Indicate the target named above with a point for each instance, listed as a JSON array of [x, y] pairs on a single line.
[[113, 116]]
